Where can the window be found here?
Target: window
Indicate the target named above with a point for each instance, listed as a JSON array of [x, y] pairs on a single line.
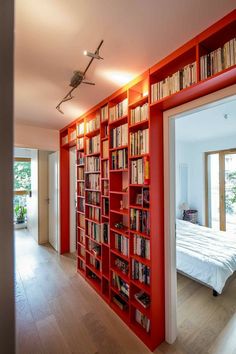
[[22, 181], [221, 190]]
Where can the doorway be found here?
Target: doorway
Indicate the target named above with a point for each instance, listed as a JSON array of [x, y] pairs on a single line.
[[73, 184], [170, 200]]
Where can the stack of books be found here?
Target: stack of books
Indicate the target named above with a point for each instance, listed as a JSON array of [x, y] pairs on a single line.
[[139, 142], [118, 111], [106, 188], [105, 149], [80, 158], [137, 171], [139, 114], [119, 136], [218, 60], [81, 221], [121, 285], [82, 237], [105, 170], [143, 299], [80, 173], [174, 83], [81, 205], [122, 265], [81, 189], [105, 206]]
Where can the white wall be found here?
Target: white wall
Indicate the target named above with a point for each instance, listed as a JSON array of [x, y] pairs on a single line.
[[32, 202], [192, 153], [36, 138]]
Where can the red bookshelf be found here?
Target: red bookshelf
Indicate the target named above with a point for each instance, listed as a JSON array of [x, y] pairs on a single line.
[[126, 262]]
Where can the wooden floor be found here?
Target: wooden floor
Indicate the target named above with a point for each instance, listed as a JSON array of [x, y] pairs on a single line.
[[58, 312]]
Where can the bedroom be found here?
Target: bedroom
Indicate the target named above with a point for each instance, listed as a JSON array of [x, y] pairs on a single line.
[[205, 197]]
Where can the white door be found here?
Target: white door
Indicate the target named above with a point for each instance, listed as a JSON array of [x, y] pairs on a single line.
[[53, 189], [73, 199]]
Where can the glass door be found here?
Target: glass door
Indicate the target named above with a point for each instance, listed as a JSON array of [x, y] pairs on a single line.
[[221, 190], [230, 191]]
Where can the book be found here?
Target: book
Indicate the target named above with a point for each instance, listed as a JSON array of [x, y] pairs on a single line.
[[93, 124], [139, 142], [141, 246], [80, 129], [119, 159], [93, 145], [142, 320], [94, 230], [140, 272], [92, 164], [143, 299], [92, 181], [105, 149], [119, 136], [121, 244], [104, 113], [93, 198], [139, 114], [105, 232], [118, 111]]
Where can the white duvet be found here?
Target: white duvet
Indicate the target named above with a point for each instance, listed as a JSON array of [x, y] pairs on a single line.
[[204, 254]]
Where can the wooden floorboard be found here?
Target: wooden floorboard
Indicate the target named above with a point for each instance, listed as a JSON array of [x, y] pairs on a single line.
[[58, 312]]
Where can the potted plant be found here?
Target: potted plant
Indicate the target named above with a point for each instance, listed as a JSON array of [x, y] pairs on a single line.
[[20, 213]]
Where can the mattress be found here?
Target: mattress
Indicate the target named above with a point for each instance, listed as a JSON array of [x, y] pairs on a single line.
[[204, 254]]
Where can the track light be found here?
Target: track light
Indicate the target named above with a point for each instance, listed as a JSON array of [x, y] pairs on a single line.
[[92, 55]]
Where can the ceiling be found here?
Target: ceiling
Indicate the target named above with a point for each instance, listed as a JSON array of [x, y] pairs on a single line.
[[51, 35], [199, 126]]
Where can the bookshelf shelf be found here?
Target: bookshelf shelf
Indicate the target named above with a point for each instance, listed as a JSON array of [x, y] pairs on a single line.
[[98, 134]]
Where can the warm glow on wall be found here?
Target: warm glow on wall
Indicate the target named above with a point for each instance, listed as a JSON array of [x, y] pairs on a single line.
[[118, 77]]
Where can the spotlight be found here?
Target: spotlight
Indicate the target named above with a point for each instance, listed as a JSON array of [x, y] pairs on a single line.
[[92, 55]]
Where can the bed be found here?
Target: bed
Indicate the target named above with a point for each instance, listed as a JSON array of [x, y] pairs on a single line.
[[205, 255]]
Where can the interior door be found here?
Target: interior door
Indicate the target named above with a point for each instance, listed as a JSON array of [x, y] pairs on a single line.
[[53, 189], [73, 199]]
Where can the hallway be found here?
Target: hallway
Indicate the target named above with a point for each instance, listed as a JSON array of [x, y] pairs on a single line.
[[57, 312]]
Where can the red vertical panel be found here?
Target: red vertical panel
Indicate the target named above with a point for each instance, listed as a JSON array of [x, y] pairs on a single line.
[[64, 200]]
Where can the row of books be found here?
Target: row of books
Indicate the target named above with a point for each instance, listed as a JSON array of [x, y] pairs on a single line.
[[73, 135], [80, 144], [94, 248], [140, 272], [93, 198], [105, 149], [138, 170], [92, 164], [105, 206], [80, 189], [105, 169], [104, 113], [81, 264], [119, 159], [93, 145], [142, 320], [80, 158], [93, 213], [81, 205], [81, 221], [121, 244], [82, 237], [94, 231], [139, 142], [122, 265], [119, 136], [118, 111], [80, 173], [80, 128], [93, 124], [82, 251], [95, 263], [105, 232], [140, 220], [139, 114], [92, 181], [218, 60], [174, 83], [143, 198], [105, 188], [121, 285], [141, 246]]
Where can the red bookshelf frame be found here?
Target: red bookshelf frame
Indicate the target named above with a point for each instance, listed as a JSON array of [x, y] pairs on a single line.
[[138, 92]]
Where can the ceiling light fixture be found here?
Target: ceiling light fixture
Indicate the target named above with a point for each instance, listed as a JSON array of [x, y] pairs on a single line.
[[92, 55], [79, 77]]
